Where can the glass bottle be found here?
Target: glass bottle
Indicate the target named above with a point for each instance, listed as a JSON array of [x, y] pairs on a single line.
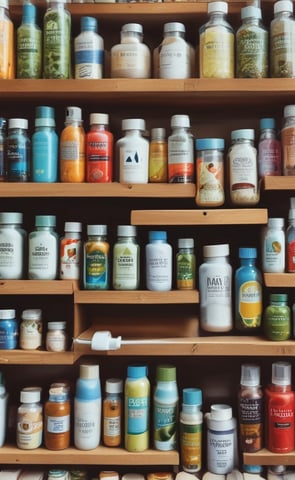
[[133, 152], [72, 147], [7, 45], [185, 264], [89, 50], [273, 246], [28, 45], [181, 151], [288, 140], [96, 258], [112, 413], [2, 149], [18, 150], [99, 149], [269, 149], [158, 156], [44, 146], [126, 259], [277, 318], [43, 249], [282, 41]]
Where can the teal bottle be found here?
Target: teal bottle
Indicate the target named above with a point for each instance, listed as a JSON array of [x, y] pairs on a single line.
[[44, 147], [28, 45]]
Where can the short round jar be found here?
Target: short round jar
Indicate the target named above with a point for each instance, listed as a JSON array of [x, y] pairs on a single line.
[[30, 334], [56, 337]]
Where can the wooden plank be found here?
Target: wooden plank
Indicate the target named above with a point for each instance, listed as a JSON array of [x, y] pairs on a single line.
[[279, 280], [279, 183], [36, 287], [35, 357], [265, 457], [136, 297]]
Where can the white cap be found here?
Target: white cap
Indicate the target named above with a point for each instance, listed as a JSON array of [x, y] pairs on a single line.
[[186, 243], [174, 27], [132, 27], [251, 12], [283, 6], [18, 123], [30, 395], [133, 124], [32, 314], [289, 111], [11, 217], [220, 411], [7, 314], [97, 229], [89, 371], [56, 325], [73, 227], [99, 118], [126, 231], [180, 121], [216, 250], [276, 222], [114, 385], [104, 341], [291, 214], [73, 114], [221, 7]]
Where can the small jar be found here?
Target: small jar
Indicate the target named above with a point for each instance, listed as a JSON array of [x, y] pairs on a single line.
[[57, 415], [277, 318], [210, 172], [30, 335], [29, 419], [56, 337], [8, 330]]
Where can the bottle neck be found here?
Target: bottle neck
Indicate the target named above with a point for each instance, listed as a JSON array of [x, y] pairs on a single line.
[[243, 141], [267, 133], [283, 15], [174, 34], [131, 37], [98, 126], [251, 21], [248, 262]]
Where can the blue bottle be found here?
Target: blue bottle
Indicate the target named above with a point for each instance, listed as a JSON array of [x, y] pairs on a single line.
[[44, 147], [18, 150]]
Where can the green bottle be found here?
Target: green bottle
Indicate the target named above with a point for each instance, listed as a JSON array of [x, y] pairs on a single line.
[[277, 318], [28, 45]]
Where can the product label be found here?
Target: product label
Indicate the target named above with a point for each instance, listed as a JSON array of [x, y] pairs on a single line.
[[185, 264], [137, 415], [252, 53], [8, 334], [96, 265], [210, 177], [70, 258], [29, 429], [251, 423], [112, 426], [180, 160], [43, 257], [57, 34], [218, 287], [130, 61], [281, 426], [134, 164], [291, 256], [88, 61], [243, 175], [191, 447], [174, 59], [250, 304], [125, 265], [216, 53], [18, 158], [87, 423], [220, 451], [274, 254], [99, 158], [277, 322], [58, 424], [70, 150], [11, 254], [30, 334], [282, 50], [269, 156], [28, 52], [165, 421]]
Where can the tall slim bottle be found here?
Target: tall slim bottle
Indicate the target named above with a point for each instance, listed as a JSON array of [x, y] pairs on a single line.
[[29, 45], [7, 64]]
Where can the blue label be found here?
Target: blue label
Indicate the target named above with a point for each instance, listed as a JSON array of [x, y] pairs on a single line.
[[8, 334], [89, 56], [138, 408]]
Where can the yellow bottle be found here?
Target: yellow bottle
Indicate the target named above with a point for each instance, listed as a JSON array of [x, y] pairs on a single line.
[[158, 156], [7, 65]]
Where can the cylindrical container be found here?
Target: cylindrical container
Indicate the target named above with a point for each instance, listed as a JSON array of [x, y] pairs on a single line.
[[158, 257], [191, 420], [43, 249], [54, 474], [288, 140], [210, 172], [282, 60], [44, 147], [28, 45], [158, 156], [78, 475], [8, 330], [250, 409], [99, 150], [89, 50], [133, 152], [108, 475], [29, 419], [290, 241], [215, 284], [70, 252], [30, 333], [72, 163], [2, 149], [269, 149], [3, 411], [273, 246], [96, 258], [12, 246], [186, 264], [56, 337], [165, 408], [137, 408], [18, 150], [7, 52], [57, 419], [126, 259], [181, 164], [277, 318], [112, 413], [87, 408]]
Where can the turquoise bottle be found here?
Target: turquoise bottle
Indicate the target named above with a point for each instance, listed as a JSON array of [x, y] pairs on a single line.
[[44, 147]]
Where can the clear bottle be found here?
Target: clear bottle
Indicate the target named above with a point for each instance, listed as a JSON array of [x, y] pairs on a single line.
[[96, 258], [7, 46], [18, 150], [99, 149], [70, 252], [158, 256], [57, 41], [126, 259], [29, 419], [3, 411], [43, 245], [44, 146], [131, 58], [2, 149], [158, 156], [29, 45], [277, 318], [181, 151], [282, 44], [290, 241], [133, 152], [72, 147], [217, 40], [30, 331], [273, 246], [190, 437], [251, 45], [288, 140], [243, 169], [13, 239], [88, 50], [112, 412], [186, 264], [215, 284], [57, 418], [210, 172], [269, 149]]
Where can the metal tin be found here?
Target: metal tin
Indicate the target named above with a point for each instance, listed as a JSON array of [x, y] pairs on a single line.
[[8, 330]]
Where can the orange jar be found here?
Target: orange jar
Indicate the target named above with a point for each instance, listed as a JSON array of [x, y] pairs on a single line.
[[57, 418], [72, 148]]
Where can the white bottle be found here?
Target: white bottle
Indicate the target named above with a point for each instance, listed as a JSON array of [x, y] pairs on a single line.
[[158, 262], [89, 50], [133, 152], [43, 249], [87, 408], [126, 259], [3, 411], [131, 58], [181, 162], [273, 246], [70, 252], [12, 246]]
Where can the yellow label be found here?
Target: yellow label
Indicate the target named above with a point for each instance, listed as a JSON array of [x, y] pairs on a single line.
[[250, 305], [216, 54]]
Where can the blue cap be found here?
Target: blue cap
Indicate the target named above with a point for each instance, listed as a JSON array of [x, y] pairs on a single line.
[[192, 396], [29, 13], [246, 133], [45, 221], [136, 371], [267, 123], [247, 252], [209, 143], [88, 24], [157, 235], [44, 117]]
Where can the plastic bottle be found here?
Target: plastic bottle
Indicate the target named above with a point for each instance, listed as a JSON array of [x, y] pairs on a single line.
[[7, 48], [56, 337], [30, 332], [277, 318], [126, 259], [112, 413], [158, 156], [29, 45], [18, 150], [13, 239], [99, 149], [269, 149], [43, 249], [191, 420], [186, 264], [55, 474], [215, 285], [72, 147], [70, 252], [87, 408], [29, 419], [89, 50], [96, 258], [250, 409], [133, 152], [290, 241], [273, 246], [165, 408], [3, 411], [8, 329], [137, 408], [210, 172], [288, 140], [217, 40], [57, 413], [44, 146], [282, 47], [57, 41], [279, 410], [158, 256], [180, 151], [131, 58], [2, 149]]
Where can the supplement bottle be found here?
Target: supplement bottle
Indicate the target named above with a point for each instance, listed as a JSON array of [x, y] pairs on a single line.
[[30, 333], [282, 47], [243, 169], [210, 172], [72, 148], [57, 419], [13, 240], [133, 152], [112, 413], [279, 409], [2, 149], [56, 337], [273, 246], [181, 151], [57, 41], [87, 408], [137, 408], [28, 45], [7, 52], [165, 408], [290, 241], [29, 419], [18, 150], [44, 146], [269, 149], [99, 150], [158, 156], [277, 318], [185, 264], [251, 45], [217, 40], [215, 284], [158, 257], [131, 58], [8, 329], [88, 50], [250, 409], [288, 140], [96, 258], [70, 252], [3, 411], [191, 420], [126, 259], [43, 249], [248, 293], [58, 475]]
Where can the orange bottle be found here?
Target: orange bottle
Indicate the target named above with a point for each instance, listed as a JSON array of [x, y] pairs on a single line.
[[57, 418], [112, 413], [7, 65], [99, 150], [72, 148]]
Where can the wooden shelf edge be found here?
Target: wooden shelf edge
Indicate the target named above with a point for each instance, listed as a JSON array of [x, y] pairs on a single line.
[[279, 280], [265, 457], [279, 183], [37, 287], [136, 297], [36, 357]]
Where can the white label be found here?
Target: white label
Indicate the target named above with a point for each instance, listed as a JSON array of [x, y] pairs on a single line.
[[87, 424], [42, 256], [158, 267], [134, 157], [11, 254], [220, 451], [174, 59], [125, 266], [58, 424], [130, 61]]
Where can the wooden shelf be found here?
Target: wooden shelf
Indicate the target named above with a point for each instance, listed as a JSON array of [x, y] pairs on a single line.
[[35, 357], [136, 297], [265, 457], [36, 287], [279, 183], [279, 280]]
